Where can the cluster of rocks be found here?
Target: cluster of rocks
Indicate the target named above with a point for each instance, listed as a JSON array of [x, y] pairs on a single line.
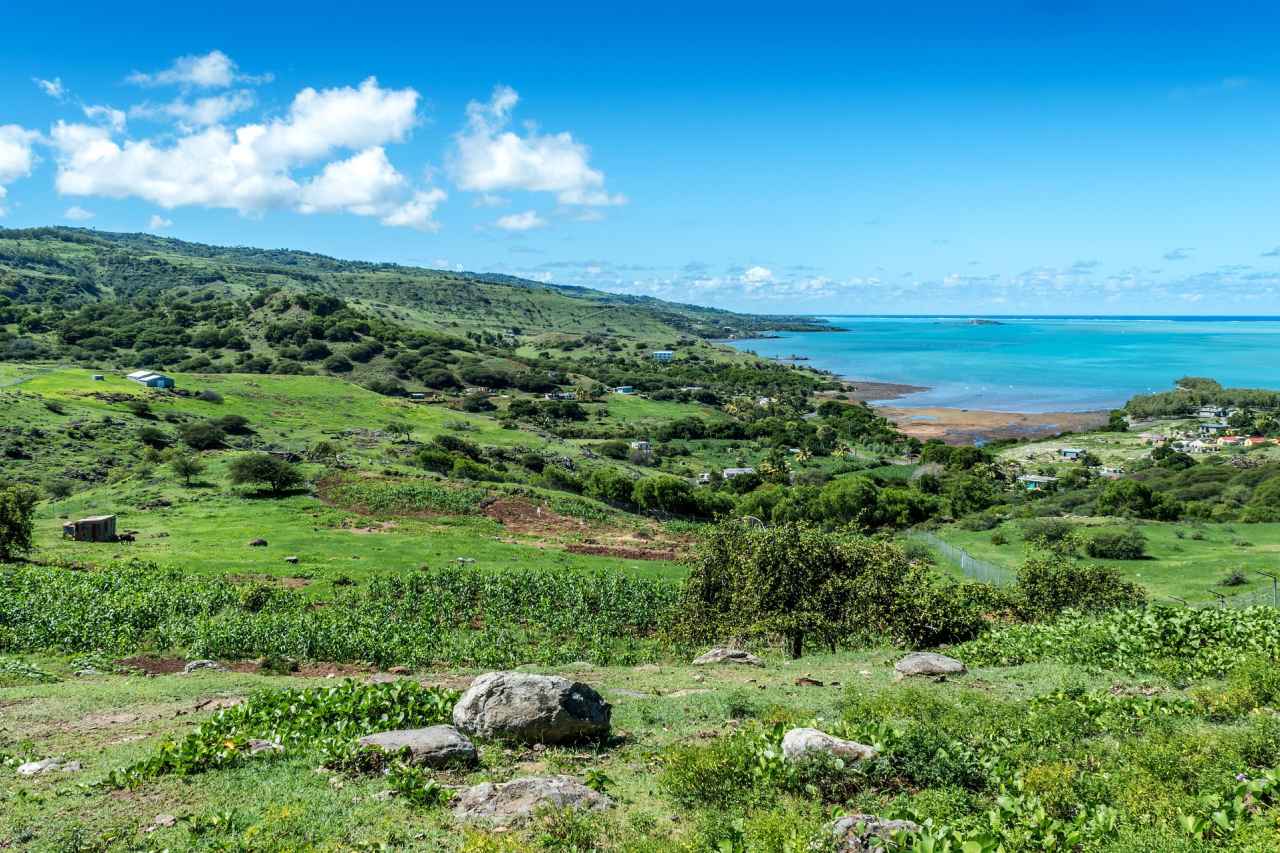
[[512, 706]]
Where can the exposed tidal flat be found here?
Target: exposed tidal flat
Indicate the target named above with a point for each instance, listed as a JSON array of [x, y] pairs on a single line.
[[1033, 364]]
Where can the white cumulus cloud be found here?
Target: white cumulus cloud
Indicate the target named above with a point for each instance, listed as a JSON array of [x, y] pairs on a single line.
[[251, 168], [213, 70], [78, 214], [489, 158], [17, 156], [111, 117], [200, 112], [757, 276], [158, 223], [526, 221]]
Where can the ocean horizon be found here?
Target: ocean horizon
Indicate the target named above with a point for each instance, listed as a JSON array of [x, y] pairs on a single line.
[[1035, 362]]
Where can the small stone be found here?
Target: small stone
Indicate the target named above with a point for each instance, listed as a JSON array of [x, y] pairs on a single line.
[[505, 802], [257, 745], [928, 663], [258, 543], [196, 665], [34, 768], [799, 743], [87, 672], [434, 746], [165, 820], [399, 670], [860, 833], [724, 655], [699, 677]]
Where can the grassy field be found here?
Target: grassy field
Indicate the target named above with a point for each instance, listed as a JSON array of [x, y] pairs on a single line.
[[1185, 560], [111, 720]]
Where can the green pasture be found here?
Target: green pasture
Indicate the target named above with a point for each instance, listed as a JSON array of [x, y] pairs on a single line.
[[1186, 560]]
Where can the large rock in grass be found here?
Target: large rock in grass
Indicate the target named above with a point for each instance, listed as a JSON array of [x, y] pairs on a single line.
[[798, 744], [859, 833], [723, 655], [532, 709], [514, 801], [928, 663], [434, 746]]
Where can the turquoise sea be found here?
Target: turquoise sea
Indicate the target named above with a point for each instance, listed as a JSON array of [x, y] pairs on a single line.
[[1038, 364]]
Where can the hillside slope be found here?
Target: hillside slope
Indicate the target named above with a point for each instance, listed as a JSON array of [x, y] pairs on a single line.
[[73, 266]]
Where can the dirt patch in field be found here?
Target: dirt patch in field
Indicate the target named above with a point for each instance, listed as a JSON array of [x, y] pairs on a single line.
[[384, 527], [522, 516], [153, 665], [623, 551]]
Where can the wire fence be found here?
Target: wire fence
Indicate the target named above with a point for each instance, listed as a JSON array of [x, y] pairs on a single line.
[[971, 566], [986, 572]]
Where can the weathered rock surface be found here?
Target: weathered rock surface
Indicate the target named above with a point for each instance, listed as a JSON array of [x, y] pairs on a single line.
[[196, 665], [47, 765], [929, 663], [858, 833], [723, 655], [434, 746], [509, 802], [532, 708], [801, 743]]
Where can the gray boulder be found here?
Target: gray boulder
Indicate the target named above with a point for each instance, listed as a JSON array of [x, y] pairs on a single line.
[[859, 833], [722, 655], [434, 746], [48, 765], [196, 665], [510, 802], [928, 663], [532, 708], [802, 743]]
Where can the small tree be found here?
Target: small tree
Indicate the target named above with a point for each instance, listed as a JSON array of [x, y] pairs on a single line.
[[17, 506], [399, 429], [798, 582], [203, 435], [262, 468], [186, 466]]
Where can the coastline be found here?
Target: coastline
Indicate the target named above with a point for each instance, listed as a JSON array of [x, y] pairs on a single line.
[[960, 426]]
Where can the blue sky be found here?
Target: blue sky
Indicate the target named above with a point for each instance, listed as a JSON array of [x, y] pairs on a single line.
[[950, 158]]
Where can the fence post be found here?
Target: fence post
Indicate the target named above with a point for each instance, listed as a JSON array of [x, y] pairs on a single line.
[[1275, 586]]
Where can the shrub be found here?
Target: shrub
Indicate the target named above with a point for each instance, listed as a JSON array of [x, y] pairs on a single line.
[[338, 363], [796, 581], [434, 459], [17, 509], [1047, 587], [262, 468], [555, 477], [467, 469], [1126, 544], [203, 435], [665, 494], [153, 437], [208, 395]]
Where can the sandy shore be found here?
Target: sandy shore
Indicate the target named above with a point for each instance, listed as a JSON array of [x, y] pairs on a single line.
[[963, 426]]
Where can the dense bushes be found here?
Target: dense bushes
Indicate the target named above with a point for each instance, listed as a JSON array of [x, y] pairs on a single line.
[[1048, 587], [1181, 642], [800, 583], [1125, 544]]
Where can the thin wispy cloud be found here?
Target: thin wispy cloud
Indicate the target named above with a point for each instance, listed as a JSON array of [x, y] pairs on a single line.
[[1178, 254]]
